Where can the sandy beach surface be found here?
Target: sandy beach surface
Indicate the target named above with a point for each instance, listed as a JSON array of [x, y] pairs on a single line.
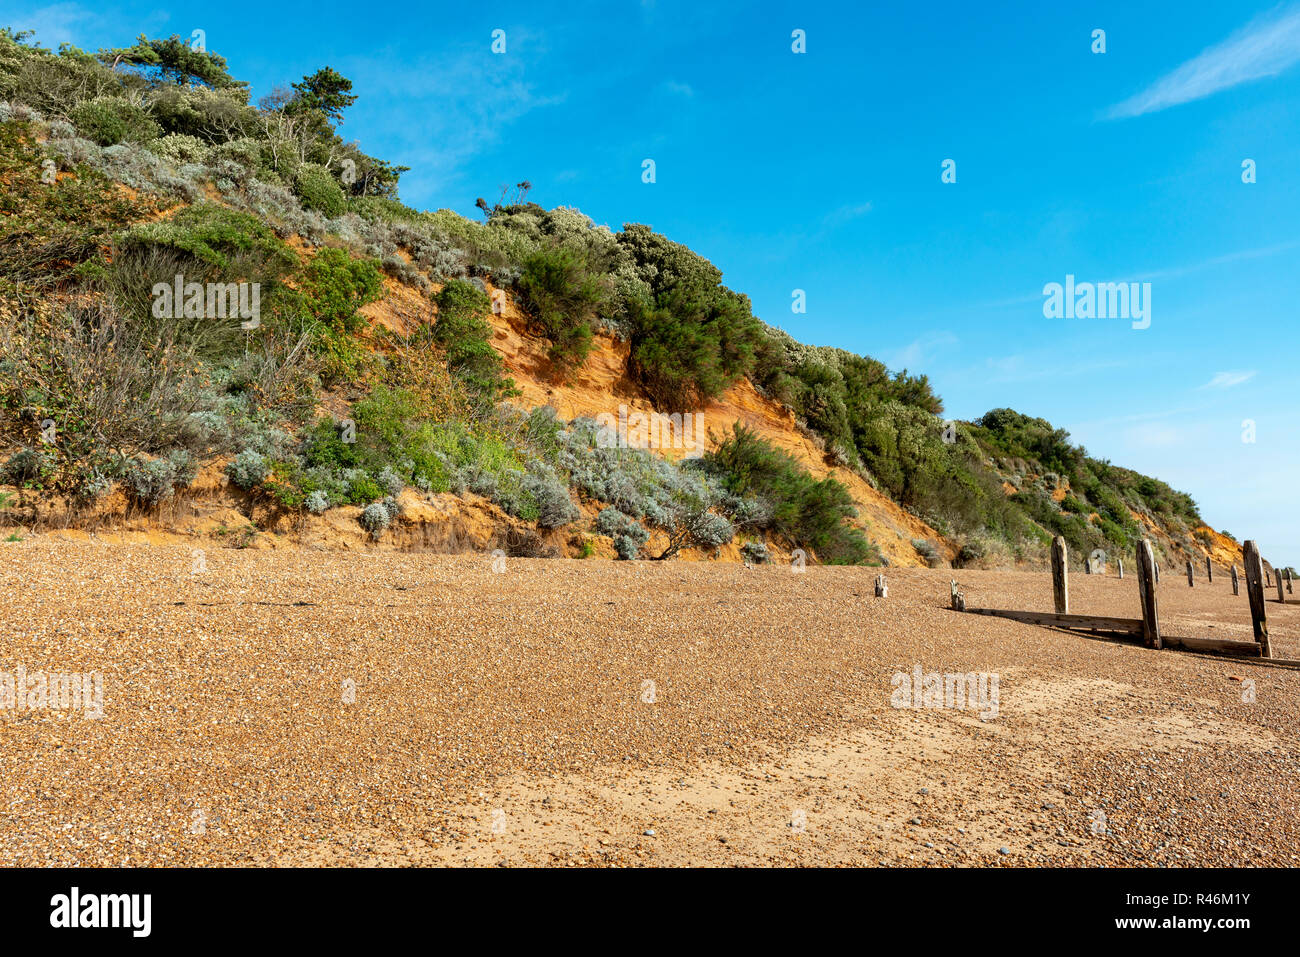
[[297, 707]]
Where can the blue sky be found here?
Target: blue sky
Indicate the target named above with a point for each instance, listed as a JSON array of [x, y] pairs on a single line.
[[821, 171]]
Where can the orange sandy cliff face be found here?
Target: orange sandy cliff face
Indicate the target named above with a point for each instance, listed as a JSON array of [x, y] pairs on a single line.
[[602, 384]]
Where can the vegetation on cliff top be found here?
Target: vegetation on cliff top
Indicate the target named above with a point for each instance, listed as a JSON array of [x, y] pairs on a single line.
[[217, 189]]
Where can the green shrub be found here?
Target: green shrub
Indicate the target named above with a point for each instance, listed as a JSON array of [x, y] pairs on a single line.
[[54, 231], [29, 468], [929, 551], [807, 512], [464, 334], [691, 345], [362, 489], [108, 121], [319, 190], [149, 482], [554, 506], [215, 236], [690, 521], [564, 295], [971, 553], [628, 547], [377, 516], [336, 286], [180, 148], [248, 470], [629, 535]]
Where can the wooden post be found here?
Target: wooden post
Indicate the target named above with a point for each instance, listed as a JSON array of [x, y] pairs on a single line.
[[1236, 583], [882, 589], [1157, 573], [1209, 570], [1288, 581], [1280, 596], [1087, 566], [1146, 571], [1255, 592], [1190, 583], [1060, 580], [1120, 562]]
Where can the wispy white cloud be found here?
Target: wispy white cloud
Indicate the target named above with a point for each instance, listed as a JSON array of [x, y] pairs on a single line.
[[55, 24], [1226, 380], [1238, 256], [1154, 274], [1152, 435], [846, 213], [1266, 46], [440, 111], [914, 354], [1019, 368]]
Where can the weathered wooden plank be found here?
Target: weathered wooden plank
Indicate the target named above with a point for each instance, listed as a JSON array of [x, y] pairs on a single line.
[[1148, 575], [1060, 581], [1254, 565], [1280, 596], [1128, 626], [1120, 563], [1190, 583], [1227, 646], [1236, 583], [882, 589], [1209, 570]]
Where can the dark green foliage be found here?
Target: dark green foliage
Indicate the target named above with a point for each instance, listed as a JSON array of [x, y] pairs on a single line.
[[336, 286], [563, 294], [807, 512], [692, 344], [463, 332], [1072, 504], [691, 335], [326, 91], [318, 190], [49, 81], [173, 61], [333, 287], [215, 236], [53, 229], [1029, 438], [108, 121]]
